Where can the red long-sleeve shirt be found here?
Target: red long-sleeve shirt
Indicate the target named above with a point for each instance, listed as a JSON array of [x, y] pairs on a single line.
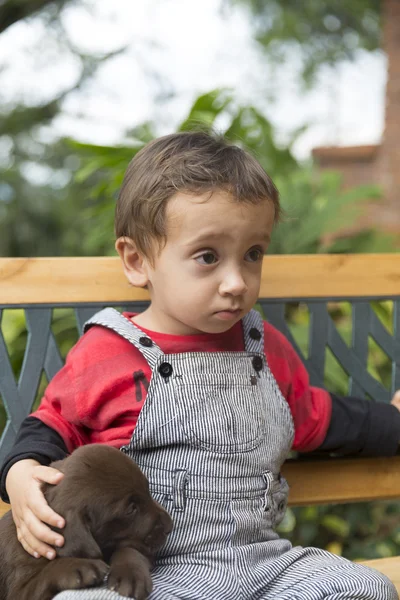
[[98, 395]]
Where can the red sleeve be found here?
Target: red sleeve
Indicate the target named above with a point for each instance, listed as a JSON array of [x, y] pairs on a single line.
[[97, 396], [57, 408], [311, 407]]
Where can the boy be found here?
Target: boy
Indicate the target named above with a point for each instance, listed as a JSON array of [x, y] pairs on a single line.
[[203, 395]]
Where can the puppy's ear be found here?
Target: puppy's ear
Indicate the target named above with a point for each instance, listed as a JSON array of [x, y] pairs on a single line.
[[77, 533], [79, 541]]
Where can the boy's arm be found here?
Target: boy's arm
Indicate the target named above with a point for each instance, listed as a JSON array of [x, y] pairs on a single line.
[[37, 441], [81, 398], [53, 431], [326, 422]]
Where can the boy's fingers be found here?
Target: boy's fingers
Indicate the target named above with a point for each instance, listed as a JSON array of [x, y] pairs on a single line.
[[47, 474], [39, 507], [35, 546], [26, 546], [44, 513], [37, 533]]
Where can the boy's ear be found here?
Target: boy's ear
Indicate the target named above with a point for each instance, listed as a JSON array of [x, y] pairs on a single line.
[[135, 265]]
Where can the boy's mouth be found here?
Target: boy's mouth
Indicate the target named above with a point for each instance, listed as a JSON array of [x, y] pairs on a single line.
[[228, 314]]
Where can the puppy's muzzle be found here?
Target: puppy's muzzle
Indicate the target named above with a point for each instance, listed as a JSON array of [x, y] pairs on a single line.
[[160, 530]]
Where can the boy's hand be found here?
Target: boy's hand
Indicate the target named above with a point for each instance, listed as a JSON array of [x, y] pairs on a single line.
[[396, 400], [30, 509]]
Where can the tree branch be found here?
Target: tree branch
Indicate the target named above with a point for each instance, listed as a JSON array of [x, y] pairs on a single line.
[[12, 11]]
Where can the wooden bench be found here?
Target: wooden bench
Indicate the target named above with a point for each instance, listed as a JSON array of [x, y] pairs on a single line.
[[87, 284]]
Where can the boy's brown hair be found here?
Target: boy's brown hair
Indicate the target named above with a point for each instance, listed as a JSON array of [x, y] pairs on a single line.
[[194, 162]]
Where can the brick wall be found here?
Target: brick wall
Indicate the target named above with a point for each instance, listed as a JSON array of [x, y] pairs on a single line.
[[377, 164], [389, 152], [358, 165]]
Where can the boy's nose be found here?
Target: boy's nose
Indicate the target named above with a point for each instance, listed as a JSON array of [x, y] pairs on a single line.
[[233, 284]]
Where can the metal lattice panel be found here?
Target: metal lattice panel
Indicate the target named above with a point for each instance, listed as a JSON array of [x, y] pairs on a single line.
[[42, 353], [323, 335]]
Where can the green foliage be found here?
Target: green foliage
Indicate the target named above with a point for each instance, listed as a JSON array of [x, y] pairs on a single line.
[[316, 208], [318, 33], [40, 217], [39, 201], [34, 213], [359, 531]]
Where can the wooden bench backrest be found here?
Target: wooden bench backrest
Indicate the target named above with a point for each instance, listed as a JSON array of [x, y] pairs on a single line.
[[87, 284]]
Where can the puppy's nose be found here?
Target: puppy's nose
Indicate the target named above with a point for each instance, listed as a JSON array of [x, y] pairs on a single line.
[[166, 522]]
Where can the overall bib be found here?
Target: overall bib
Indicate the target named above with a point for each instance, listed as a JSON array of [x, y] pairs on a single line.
[[211, 438]]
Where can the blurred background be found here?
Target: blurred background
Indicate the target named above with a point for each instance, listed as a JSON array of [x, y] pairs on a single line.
[[312, 88]]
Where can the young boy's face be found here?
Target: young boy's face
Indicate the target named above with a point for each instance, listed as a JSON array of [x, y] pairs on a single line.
[[207, 276]]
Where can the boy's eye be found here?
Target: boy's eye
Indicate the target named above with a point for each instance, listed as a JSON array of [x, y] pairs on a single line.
[[207, 258], [254, 254]]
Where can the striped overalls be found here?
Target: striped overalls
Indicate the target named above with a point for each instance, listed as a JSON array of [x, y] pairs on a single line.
[[211, 438]]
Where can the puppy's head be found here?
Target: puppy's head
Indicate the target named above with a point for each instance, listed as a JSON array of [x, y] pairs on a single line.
[[105, 496]]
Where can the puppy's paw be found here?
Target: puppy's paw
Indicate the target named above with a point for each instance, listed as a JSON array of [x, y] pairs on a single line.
[[131, 582], [77, 573]]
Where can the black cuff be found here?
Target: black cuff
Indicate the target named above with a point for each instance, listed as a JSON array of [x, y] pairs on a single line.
[[37, 441], [384, 430], [9, 463], [362, 427]]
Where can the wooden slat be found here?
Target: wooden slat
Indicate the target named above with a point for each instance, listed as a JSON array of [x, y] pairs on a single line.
[[61, 280], [389, 567], [330, 276], [336, 481], [347, 480]]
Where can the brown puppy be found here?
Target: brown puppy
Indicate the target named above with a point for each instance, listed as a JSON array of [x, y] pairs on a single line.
[[113, 528]]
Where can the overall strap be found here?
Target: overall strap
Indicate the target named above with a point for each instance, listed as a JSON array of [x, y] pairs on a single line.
[[253, 330], [112, 319]]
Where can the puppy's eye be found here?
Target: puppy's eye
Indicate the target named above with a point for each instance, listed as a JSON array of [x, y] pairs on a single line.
[[131, 508]]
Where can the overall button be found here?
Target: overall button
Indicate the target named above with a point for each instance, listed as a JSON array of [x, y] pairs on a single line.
[[257, 363], [165, 370], [255, 334], [145, 341]]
